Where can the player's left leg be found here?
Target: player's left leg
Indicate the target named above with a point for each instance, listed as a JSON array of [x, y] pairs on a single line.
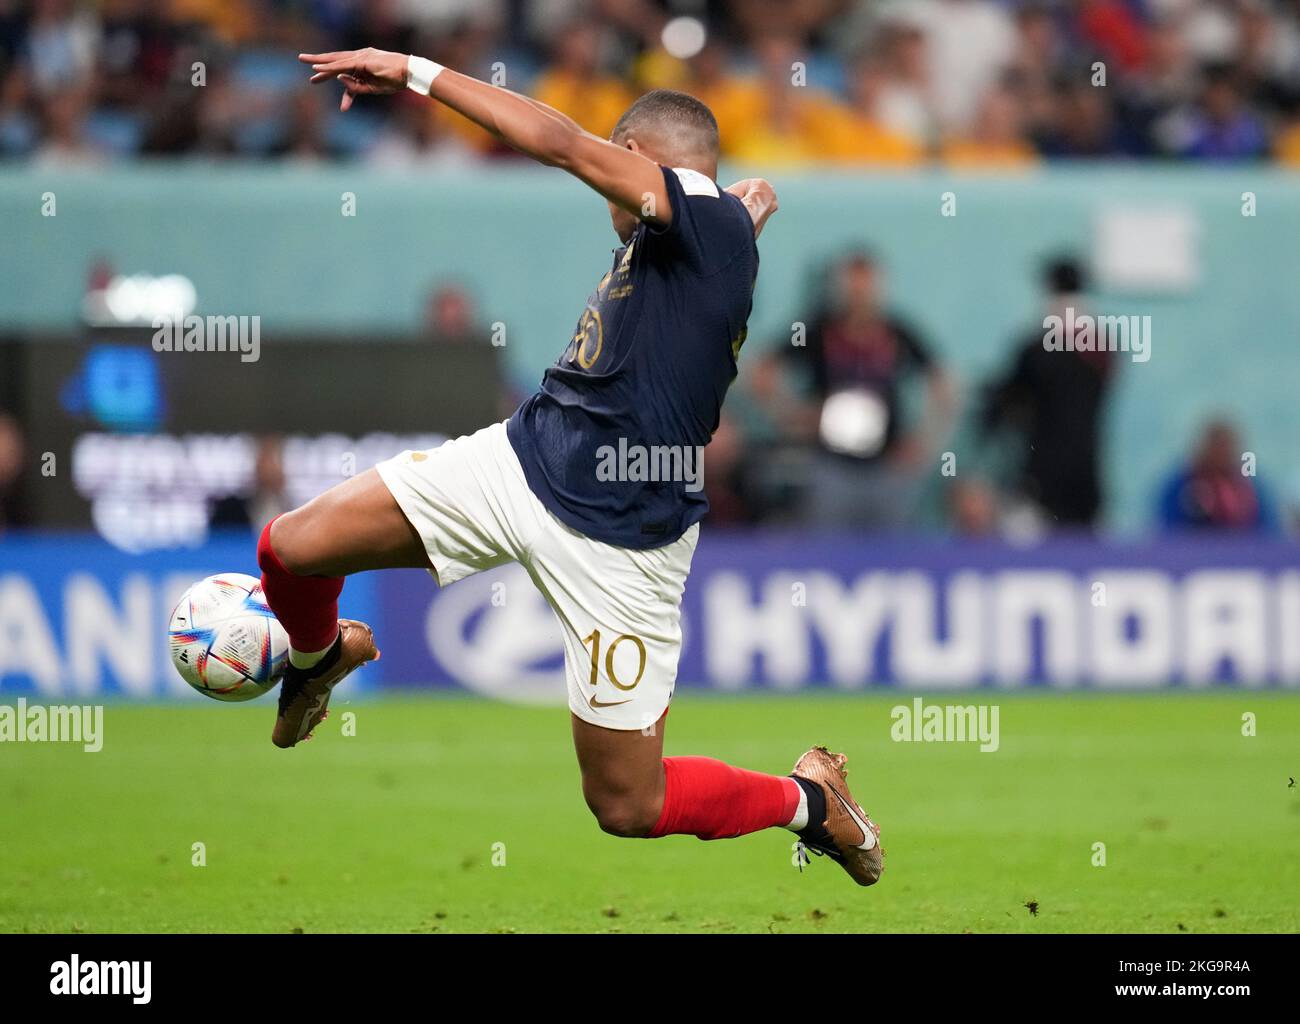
[[634, 791], [620, 610]]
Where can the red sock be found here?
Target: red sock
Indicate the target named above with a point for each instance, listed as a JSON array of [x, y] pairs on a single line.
[[307, 606], [713, 800]]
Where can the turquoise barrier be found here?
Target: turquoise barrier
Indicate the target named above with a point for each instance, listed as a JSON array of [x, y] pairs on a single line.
[[530, 244]]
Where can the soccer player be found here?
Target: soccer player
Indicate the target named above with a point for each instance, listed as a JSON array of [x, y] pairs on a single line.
[[646, 370]]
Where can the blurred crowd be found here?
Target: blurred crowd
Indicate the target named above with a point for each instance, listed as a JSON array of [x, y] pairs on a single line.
[[850, 422], [970, 83], [855, 423]]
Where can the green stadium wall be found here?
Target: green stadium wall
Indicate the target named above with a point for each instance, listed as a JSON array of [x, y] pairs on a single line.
[[530, 244]]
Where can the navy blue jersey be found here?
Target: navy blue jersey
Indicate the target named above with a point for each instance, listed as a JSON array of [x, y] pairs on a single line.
[[612, 442]]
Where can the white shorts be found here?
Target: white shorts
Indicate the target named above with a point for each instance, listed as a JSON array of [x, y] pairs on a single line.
[[620, 609]]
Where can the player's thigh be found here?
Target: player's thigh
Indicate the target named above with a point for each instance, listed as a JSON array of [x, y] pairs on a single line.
[[353, 527]]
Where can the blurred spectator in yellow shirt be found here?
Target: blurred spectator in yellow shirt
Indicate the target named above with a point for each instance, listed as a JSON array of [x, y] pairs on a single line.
[[798, 123], [575, 84], [233, 20], [737, 102], [996, 140], [859, 135], [468, 45]]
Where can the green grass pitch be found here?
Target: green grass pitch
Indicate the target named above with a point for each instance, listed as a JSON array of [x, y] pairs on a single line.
[[394, 829]]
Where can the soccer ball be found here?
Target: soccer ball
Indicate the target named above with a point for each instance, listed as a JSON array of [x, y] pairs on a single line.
[[225, 642]]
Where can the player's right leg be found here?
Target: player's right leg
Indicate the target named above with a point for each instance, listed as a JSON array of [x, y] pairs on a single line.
[[445, 510], [304, 556]]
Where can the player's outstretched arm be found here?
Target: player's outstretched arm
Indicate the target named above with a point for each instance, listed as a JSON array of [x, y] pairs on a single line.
[[625, 178]]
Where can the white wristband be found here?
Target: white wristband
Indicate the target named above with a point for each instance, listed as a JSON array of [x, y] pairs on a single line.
[[420, 74]]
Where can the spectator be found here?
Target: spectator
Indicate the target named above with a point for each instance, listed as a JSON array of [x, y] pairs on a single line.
[[61, 46], [859, 356], [576, 85], [450, 317], [65, 143], [799, 122], [1053, 402], [1150, 101], [1267, 56], [1083, 124], [206, 120], [306, 136], [1035, 69], [737, 102], [861, 136], [970, 43], [969, 80], [997, 139], [1222, 127], [267, 499], [905, 96], [139, 49], [13, 499], [417, 137], [1113, 30], [1212, 490], [725, 476], [972, 507]]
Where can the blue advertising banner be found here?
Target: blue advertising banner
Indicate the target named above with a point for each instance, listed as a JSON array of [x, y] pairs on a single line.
[[765, 611], [79, 618], [787, 611]]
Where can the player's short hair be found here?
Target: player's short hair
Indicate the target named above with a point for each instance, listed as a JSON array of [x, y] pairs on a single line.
[[676, 117]]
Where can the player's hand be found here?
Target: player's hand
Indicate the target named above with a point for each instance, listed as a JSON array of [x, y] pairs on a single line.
[[759, 198], [367, 72]]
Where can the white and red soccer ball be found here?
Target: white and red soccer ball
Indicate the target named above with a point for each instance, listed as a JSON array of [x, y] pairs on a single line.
[[224, 639]]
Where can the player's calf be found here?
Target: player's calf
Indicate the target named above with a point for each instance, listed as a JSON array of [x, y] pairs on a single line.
[[307, 605], [628, 814]]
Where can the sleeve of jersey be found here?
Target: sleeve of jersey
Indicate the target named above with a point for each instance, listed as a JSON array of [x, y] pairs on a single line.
[[705, 228]]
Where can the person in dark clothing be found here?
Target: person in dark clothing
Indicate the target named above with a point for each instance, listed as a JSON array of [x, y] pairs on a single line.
[[857, 356], [1054, 402], [14, 511]]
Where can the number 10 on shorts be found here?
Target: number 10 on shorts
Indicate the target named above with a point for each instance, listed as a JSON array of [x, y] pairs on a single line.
[[594, 641]]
